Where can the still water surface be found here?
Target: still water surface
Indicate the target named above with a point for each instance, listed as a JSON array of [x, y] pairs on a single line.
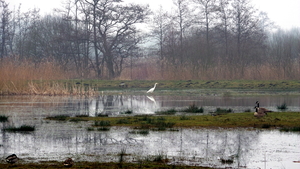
[[53, 140]]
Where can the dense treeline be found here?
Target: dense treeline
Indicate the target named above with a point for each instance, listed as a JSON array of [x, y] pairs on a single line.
[[198, 39]]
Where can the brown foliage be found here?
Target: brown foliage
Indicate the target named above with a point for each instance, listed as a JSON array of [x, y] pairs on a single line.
[[157, 70]]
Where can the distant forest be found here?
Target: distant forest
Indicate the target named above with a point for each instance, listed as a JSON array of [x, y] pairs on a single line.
[[111, 39]]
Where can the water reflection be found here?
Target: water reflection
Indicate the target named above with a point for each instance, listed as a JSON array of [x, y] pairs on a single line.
[[114, 105], [55, 140], [200, 147]]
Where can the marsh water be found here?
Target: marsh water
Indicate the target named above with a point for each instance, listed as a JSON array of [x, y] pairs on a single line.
[[53, 140]]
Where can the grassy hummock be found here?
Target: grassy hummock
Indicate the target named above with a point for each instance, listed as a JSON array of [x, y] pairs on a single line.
[[92, 87], [228, 120]]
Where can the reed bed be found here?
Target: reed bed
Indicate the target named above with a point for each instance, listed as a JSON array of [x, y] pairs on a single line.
[[50, 88], [25, 77], [154, 69]]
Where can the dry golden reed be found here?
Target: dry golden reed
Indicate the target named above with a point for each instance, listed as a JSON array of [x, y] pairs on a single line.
[[43, 78], [155, 70], [28, 77]]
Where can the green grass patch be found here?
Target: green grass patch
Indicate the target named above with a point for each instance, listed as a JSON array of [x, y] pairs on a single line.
[[273, 120], [194, 84], [124, 121], [91, 87], [102, 123], [184, 117]]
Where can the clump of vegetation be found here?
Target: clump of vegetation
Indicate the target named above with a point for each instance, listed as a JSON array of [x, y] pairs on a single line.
[[123, 121], [127, 112], [142, 132], [82, 115], [90, 129], [23, 128], [282, 107], [166, 112], [102, 123], [102, 115], [156, 123], [58, 117], [103, 129], [76, 120], [226, 161], [160, 123], [290, 129], [160, 158], [223, 111], [227, 94], [3, 118], [193, 109], [184, 117], [121, 155], [266, 126]]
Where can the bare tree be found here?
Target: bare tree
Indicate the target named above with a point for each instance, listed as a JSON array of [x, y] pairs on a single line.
[[113, 31], [208, 9], [248, 35], [284, 53], [184, 22], [159, 27], [223, 25], [5, 26]]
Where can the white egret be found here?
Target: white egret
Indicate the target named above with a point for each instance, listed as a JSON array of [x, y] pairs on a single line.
[[152, 89]]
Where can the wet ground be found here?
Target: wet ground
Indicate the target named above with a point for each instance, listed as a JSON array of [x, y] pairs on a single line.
[[54, 140]]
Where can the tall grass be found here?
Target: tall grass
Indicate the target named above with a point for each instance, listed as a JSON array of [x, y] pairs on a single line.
[[27, 77], [154, 69]]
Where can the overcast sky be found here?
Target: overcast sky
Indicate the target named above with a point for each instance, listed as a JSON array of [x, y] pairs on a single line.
[[285, 13]]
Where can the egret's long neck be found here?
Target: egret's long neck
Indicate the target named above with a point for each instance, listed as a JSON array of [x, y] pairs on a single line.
[[154, 85]]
